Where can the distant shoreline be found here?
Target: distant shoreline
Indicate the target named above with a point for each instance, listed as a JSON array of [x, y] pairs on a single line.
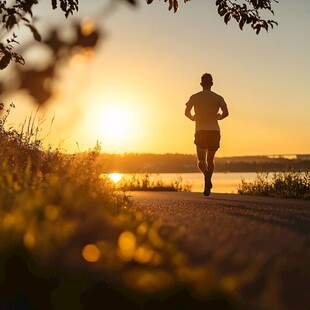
[[183, 163]]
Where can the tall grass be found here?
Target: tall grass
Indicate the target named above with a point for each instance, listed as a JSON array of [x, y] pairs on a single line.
[[69, 240], [147, 182], [286, 184]]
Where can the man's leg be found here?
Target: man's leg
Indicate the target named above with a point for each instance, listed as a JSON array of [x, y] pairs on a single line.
[[208, 175], [201, 156], [202, 165], [210, 161]]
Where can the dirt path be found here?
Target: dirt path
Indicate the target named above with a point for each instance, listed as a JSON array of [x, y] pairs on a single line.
[[256, 247]]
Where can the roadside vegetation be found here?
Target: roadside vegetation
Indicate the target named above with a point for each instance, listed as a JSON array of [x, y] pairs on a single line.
[[150, 182], [69, 239], [286, 184]]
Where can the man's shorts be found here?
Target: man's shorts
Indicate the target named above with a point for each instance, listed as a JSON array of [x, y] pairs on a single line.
[[208, 139]]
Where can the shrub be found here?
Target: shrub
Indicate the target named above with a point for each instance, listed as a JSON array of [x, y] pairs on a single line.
[[146, 182], [287, 184], [67, 235]]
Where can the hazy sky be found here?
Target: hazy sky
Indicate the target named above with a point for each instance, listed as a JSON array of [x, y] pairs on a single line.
[[151, 62]]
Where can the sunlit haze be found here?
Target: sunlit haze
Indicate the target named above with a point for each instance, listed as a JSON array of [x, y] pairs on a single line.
[[130, 93]]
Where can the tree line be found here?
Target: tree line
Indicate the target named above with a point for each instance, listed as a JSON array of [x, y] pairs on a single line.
[[186, 163]]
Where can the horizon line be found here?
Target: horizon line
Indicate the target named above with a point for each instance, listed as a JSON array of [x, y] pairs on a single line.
[[193, 154]]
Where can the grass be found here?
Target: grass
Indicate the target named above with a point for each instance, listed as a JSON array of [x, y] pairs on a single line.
[[286, 184], [149, 182], [69, 240]]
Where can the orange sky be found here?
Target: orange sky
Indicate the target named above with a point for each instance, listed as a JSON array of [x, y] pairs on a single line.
[[131, 95]]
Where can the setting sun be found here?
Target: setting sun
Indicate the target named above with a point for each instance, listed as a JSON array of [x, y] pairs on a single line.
[[116, 122], [115, 177], [114, 119], [111, 122]]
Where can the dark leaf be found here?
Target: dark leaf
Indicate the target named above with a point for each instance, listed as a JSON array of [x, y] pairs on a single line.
[[249, 19], [11, 22], [223, 11], [54, 4], [227, 18], [18, 58], [35, 32], [132, 2], [170, 5], [242, 22], [5, 60], [11, 11], [265, 25], [63, 5], [175, 5]]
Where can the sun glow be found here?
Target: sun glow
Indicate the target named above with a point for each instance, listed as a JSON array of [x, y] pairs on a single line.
[[112, 124], [115, 177], [116, 122]]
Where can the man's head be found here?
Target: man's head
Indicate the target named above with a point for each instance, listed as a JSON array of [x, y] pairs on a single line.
[[206, 80]]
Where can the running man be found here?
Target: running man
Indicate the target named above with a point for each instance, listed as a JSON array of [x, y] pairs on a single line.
[[207, 105]]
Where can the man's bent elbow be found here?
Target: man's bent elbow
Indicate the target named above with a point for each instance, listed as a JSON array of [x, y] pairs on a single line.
[[188, 115], [225, 113]]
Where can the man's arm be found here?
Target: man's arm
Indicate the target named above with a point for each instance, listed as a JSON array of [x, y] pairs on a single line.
[[188, 113], [224, 112]]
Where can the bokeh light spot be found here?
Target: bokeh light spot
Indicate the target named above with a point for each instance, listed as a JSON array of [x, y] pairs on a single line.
[[88, 26], [91, 253], [229, 284], [127, 245], [51, 212], [142, 229], [29, 240], [149, 281], [144, 254]]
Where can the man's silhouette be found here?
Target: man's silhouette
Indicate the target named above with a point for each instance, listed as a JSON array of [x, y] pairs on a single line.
[[207, 105]]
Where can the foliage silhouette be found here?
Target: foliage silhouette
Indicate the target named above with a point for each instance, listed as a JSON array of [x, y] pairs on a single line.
[[243, 11], [38, 82], [21, 11]]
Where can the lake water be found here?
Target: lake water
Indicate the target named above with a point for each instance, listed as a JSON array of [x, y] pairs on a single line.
[[222, 182]]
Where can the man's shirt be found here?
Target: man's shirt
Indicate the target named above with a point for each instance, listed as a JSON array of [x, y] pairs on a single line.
[[206, 105]]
